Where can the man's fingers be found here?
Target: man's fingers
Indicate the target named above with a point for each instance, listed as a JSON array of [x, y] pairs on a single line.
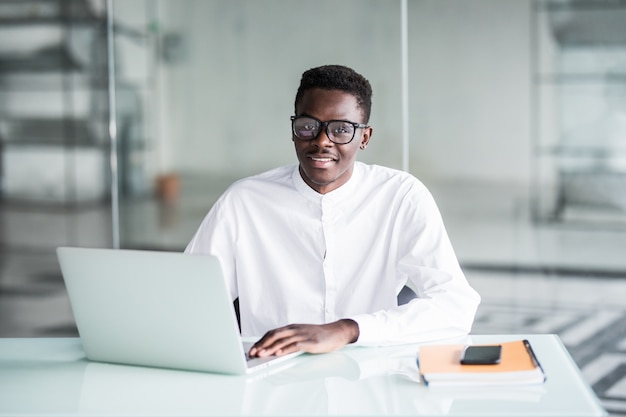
[[277, 342], [279, 349]]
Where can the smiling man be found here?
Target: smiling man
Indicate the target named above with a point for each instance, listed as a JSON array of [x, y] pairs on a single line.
[[317, 252]]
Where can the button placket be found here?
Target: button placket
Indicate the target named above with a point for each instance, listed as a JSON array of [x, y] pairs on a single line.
[[329, 260]]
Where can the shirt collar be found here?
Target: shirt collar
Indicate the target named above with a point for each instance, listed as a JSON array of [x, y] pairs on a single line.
[[336, 196]]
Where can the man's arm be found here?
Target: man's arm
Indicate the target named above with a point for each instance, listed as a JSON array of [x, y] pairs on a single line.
[[311, 338]]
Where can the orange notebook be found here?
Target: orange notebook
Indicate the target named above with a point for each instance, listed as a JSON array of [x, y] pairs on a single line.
[[441, 365]]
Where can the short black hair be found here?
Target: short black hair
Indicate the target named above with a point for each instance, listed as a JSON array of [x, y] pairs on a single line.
[[338, 77]]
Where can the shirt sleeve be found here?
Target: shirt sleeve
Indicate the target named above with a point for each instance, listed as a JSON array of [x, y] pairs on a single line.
[[445, 305], [216, 236]]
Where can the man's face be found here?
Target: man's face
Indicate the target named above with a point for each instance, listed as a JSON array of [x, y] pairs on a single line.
[[325, 165]]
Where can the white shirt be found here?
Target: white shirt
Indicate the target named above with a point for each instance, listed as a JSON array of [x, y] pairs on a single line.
[[293, 255]]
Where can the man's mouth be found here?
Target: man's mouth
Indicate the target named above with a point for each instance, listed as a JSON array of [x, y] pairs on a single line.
[[319, 161]]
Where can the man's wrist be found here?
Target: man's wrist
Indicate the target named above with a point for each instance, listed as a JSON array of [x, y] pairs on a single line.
[[351, 329]]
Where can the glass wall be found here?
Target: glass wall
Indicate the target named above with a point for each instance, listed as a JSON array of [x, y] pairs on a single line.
[[216, 80]]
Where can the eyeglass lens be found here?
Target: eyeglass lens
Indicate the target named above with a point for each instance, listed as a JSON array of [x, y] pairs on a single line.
[[306, 128]]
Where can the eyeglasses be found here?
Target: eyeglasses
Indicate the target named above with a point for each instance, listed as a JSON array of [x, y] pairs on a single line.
[[338, 131]]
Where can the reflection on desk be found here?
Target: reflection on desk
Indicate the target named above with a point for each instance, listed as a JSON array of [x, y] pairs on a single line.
[[52, 376]]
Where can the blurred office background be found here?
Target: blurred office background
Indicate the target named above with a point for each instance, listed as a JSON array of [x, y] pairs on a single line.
[[121, 123]]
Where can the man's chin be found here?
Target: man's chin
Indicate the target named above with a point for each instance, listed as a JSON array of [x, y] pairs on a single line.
[[324, 185]]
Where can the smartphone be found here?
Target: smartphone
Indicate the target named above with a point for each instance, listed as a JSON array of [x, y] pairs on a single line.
[[481, 355]]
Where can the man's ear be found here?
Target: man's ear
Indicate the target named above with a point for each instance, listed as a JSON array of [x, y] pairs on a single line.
[[367, 135]]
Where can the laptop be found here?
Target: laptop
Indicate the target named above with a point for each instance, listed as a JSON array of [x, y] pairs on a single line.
[[158, 309]]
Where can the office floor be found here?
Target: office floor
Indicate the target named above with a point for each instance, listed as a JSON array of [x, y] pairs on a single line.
[[568, 279]]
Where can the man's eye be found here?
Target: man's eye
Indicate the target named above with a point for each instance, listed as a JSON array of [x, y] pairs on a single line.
[[342, 129]]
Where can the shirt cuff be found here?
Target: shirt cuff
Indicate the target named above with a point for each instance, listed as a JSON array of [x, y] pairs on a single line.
[[369, 332]]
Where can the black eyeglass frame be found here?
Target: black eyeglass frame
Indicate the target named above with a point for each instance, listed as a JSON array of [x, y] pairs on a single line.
[[324, 125]]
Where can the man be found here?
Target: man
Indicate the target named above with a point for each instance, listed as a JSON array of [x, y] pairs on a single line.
[[317, 252]]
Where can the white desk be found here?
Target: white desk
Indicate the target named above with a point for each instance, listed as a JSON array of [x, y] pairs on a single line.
[[52, 377]]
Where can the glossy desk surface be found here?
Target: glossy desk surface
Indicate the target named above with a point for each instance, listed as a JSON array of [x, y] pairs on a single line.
[[52, 377]]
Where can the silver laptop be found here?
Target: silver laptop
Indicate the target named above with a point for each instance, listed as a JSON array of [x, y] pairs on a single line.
[[160, 309]]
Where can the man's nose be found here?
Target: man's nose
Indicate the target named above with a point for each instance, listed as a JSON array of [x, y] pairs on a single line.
[[322, 138]]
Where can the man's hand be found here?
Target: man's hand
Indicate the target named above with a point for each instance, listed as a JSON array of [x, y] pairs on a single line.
[[311, 338]]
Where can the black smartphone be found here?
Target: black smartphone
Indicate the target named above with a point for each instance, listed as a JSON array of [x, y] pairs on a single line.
[[481, 355]]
